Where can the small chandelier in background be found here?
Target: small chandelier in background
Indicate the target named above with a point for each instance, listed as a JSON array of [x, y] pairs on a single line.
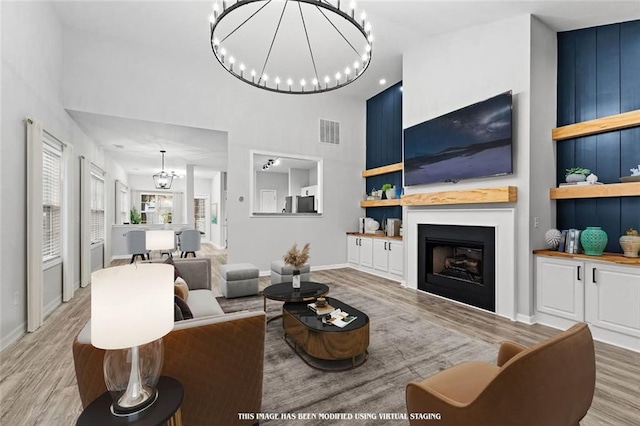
[[163, 179], [291, 46]]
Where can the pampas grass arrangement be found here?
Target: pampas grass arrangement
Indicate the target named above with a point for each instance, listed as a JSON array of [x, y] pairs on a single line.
[[295, 257]]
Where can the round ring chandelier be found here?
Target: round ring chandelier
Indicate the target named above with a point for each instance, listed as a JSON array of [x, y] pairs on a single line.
[[291, 46]]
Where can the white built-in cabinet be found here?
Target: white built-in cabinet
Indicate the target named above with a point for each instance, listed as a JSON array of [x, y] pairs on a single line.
[[377, 255], [605, 295]]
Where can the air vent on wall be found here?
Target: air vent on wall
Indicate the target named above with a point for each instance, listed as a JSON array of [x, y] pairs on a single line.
[[329, 132]]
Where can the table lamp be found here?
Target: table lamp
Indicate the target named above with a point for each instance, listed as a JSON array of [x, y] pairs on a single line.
[[163, 240], [131, 310]]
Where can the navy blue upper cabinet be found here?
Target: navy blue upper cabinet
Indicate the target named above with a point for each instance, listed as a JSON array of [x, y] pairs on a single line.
[[598, 76], [384, 127]]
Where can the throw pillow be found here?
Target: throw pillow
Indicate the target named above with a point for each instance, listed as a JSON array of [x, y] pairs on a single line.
[[184, 308], [177, 313], [181, 288]]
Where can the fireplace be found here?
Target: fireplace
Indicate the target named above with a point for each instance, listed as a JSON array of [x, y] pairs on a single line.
[[458, 262]]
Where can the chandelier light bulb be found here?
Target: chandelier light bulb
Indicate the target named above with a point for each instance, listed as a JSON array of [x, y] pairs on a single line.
[[265, 77], [363, 18], [232, 60], [223, 51], [356, 65], [367, 48], [370, 38], [352, 6], [338, 75], [253, 76], [216, 7], [347, 71], [216, 42], [212, 18], [365, 58], [367, 27], [314, 82], [277, 80], [303, 82]]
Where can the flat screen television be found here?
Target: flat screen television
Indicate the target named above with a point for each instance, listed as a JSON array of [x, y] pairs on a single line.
[[472, 142]]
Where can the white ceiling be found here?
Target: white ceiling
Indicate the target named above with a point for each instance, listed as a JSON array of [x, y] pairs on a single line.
[[181, 28], [136, 144]]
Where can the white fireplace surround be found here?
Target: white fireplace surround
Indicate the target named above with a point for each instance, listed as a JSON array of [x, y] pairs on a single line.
[[503, 220]]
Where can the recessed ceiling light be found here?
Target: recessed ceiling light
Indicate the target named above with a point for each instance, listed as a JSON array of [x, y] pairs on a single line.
[[383, 81]]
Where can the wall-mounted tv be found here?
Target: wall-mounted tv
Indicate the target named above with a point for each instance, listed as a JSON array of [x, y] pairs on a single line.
[[471, 142]]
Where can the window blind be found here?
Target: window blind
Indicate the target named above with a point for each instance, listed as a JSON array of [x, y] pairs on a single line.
[[51, 199], [97, 207], [124, 209]]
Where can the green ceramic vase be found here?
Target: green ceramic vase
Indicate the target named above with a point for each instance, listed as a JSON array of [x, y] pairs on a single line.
[[593, 240]]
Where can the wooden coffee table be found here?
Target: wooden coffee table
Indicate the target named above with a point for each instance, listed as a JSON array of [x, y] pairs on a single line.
[[284, 292], [325, 341]]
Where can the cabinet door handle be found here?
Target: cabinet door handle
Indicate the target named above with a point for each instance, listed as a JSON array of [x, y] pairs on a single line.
[[593, 275], [389, 245], [385, 245], [358, 242], [579, 267]]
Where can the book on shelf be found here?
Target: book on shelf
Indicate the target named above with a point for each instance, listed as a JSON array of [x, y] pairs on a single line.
[[339, 318], [321, 310], [563, 240]]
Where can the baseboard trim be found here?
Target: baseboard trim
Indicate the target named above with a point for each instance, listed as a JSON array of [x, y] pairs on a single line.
[[51, 306], [14, 336], [328, 267], [119, 256], [527, 319]]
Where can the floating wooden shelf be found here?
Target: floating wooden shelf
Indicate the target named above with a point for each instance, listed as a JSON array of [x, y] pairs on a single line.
[[606, 257], [383, 235], [382, 170], [380, 203], [599, 125], [502, 194], [629, 189]]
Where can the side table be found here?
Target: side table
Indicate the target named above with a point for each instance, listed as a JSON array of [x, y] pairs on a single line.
[[164, 411]]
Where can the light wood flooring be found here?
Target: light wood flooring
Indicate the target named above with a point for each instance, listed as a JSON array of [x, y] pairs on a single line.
[[37, 379]]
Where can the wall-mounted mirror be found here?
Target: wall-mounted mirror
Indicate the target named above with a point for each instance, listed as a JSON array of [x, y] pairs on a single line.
[[285, 184]]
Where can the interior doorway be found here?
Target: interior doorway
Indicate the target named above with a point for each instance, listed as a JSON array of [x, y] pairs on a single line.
[[268, 201]]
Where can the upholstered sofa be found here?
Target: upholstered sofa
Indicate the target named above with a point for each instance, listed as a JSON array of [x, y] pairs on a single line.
[[218, 357]]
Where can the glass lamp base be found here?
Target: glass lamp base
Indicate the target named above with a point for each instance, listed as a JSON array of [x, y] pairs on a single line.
[[127, 406]]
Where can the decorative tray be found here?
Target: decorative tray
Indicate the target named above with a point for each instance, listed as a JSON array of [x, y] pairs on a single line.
[[630, 179]]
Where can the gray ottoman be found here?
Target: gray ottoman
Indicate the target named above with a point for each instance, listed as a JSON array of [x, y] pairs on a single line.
[[238, 279], [281, 273]]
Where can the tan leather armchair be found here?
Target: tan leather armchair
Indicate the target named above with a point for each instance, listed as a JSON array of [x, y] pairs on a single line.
[[551, 383], [219, 360]]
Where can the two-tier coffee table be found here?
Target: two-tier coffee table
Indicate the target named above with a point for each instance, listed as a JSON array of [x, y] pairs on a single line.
[[284, 292], [325, 341]]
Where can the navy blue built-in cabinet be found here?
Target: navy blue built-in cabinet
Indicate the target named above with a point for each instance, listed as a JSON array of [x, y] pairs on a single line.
[[598, 76], [384, 145]]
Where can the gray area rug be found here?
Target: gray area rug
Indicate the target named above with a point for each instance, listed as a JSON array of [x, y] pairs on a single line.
[[403, 348]]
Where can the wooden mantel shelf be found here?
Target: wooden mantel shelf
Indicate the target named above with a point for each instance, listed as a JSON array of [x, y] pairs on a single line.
[[629, 189], [380, 203], [501, 194], [382, 170], [606, 257]]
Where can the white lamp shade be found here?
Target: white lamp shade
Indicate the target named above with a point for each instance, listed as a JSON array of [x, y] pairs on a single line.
[[160, 240], [131, 305]]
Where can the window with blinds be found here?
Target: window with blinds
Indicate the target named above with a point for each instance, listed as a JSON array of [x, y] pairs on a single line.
[[199, 206], [97, 206], [51, 199]]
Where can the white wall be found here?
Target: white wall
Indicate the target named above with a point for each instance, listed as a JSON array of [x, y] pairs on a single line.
[[454, 70], [32, 68], [298, 179], [107, 76]]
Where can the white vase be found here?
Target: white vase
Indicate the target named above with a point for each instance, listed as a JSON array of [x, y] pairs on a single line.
[[296, 278], [575, 177], [391, 193], [630, 245]]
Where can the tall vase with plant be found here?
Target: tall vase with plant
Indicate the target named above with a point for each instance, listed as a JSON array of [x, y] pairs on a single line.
[[296, 258], [134, 216]]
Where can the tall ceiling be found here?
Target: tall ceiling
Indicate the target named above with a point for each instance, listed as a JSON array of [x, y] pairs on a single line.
[[181, 28]]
